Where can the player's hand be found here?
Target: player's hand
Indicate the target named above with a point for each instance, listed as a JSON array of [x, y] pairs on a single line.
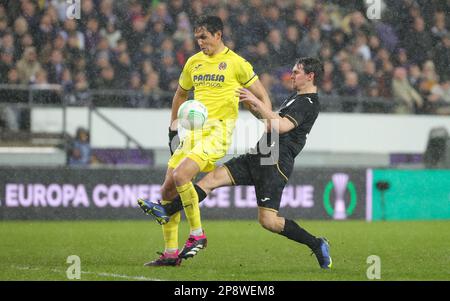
[[247, 97], [174, 140]]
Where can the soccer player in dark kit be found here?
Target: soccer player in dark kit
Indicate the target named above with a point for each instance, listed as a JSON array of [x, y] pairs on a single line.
[[269, 167]]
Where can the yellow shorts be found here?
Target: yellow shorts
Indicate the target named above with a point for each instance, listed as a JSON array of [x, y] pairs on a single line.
[[205, 146]]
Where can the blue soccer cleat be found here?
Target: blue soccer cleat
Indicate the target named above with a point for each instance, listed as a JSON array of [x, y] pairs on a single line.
[[322, 253], [154, 209]]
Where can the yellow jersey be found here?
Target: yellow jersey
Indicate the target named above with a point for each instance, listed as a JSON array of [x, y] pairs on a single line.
[[215, 80]]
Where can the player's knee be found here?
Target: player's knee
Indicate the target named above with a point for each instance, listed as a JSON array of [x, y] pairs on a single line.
[[180, 177]]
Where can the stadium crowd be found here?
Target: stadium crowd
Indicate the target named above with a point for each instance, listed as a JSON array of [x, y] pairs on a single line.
[[142, 45]]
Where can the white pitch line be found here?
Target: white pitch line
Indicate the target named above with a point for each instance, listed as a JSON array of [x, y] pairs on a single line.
[[25, 268]]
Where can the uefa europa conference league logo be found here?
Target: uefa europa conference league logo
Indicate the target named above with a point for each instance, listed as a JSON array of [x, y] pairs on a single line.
[[341, 184]]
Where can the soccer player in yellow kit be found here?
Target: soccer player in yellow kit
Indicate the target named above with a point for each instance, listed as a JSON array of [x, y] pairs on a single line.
[[215, 73]]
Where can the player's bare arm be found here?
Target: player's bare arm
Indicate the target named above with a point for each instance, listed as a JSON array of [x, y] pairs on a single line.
[[260, 92], [180, 96], [275, 121]]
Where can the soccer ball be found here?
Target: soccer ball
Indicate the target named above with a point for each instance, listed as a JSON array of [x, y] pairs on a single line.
[[192, 114]]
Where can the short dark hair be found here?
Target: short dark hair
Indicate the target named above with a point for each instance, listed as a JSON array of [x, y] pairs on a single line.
[[312, 65], [212, 24]]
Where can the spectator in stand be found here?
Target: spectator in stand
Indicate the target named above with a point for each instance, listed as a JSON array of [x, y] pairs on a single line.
[[352, 90], [355, 58], [107, 79], [310, 45], [338, 40], [415, 76], [88, 9], [46, 32], [107, 12], [112, 34], [153, 92], [55, 67], [430, 78], [137, 98], [273, 19], [68, 87], [161, 14], [13, 77], [290, 44], [328, 70], [71, 30], [169, 72], [186, 50], [3, 26], [79, 152], [138, 34], [91, 35], [438, 102], [261, 59], [410, 100], [418, 42], [7, 44], [374, 45], [401, 58], [442, 57], [243, 30], [81, 89], [301, 20], [325, 25], [6, 64], [276, 49], [123, 70], [28, 65], [157, 34], [328, 89], [439, 29], [184, 29], [408, 35], [326, 52], [355, 22], [387, 35], [368, 77]]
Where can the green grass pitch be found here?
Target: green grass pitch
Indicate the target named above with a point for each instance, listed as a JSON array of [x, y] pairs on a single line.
[[237, 250]]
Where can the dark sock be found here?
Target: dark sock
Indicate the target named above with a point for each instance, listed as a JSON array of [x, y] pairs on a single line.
[[176, 205], [294, 232]]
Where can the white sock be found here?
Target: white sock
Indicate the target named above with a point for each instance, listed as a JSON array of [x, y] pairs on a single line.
[[197, 232], [170, 251]]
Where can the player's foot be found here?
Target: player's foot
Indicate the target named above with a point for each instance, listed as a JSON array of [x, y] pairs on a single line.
[[193, 245], [154, 209], [322, 253], [166, 259]]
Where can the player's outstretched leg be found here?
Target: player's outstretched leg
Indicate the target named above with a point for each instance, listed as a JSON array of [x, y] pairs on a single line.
[[193, 245], [322, 253], [165, 259], [319, 246], [154, 209]]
